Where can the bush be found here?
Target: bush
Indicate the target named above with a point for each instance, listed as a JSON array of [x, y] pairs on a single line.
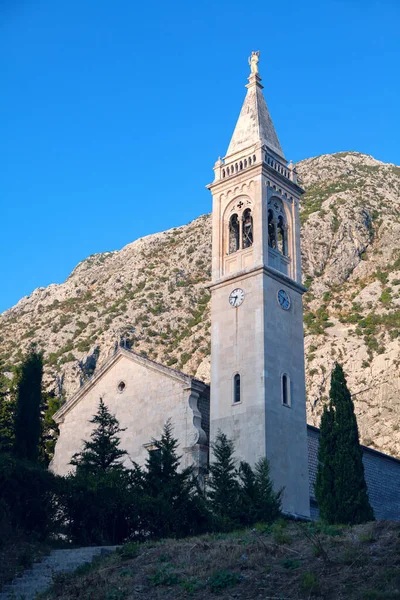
[[100, 508], [29, 494]]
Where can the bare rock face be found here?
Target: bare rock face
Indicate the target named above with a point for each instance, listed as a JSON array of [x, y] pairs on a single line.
[[152, 296]]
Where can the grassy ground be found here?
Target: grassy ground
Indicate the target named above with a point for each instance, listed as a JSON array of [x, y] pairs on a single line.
[[287, 560]]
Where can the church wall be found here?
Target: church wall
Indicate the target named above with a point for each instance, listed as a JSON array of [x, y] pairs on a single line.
[[148, 400], [382, 475]]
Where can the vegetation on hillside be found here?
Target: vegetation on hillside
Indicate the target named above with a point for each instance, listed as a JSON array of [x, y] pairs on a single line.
[[280, 561]]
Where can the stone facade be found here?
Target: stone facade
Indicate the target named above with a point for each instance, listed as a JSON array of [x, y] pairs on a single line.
[[382, 475], [143, 395]]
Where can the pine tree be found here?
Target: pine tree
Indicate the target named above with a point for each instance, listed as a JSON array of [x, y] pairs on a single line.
[[258, 501], [267, 502], [172, 503], [28, 405], [224, 489], [340, 487], [102, 453]]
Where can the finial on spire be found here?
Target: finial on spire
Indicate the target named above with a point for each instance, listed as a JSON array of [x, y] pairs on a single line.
[[253, 62]]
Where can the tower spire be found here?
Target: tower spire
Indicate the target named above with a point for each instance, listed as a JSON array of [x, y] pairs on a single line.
[[254, 124]]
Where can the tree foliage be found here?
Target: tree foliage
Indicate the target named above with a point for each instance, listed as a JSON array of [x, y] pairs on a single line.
[[223, 484], [340, 488], [49, 428], [28, 407], [262, 503], [102, 452], [172, 502], [240, 496]]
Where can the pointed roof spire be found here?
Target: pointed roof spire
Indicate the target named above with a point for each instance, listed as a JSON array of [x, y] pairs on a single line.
[[254, 124]]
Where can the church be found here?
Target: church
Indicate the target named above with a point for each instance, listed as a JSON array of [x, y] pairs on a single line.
[[257, 392]]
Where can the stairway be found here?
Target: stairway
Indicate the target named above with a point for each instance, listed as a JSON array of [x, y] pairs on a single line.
[[40, 577]]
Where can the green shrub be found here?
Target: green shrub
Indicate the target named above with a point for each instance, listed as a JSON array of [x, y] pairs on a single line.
[[220, 580], [29, 495]]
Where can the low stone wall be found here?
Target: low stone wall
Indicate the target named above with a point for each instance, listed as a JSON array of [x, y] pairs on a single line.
[[382, 474]]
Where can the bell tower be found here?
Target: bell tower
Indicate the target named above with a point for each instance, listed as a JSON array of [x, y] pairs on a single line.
[[257, 349]]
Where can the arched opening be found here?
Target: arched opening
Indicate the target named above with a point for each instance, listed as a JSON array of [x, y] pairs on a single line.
[[282, 241], [236, 388], [249, 160], [285, 390], [271, 230], [223, 173], [245, 163], [241, 165], [233, 234], [247, 228]]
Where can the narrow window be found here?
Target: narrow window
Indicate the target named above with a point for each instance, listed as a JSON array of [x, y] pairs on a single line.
[[247, 231], [233, 234], [271, 230], [285, 390], [236, 388]]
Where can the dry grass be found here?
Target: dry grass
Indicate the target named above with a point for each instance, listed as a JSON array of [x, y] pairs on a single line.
[[286, 561]]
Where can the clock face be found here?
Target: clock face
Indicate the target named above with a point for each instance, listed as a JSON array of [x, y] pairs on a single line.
[[236, 297], [284, 299]]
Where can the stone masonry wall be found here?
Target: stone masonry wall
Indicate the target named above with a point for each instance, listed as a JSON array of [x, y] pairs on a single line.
[[382, 474]]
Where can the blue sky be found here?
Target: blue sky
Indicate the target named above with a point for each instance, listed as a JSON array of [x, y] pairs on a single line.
[[113, 113]]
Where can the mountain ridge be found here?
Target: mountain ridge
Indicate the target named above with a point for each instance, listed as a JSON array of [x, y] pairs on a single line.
[[153, 295]]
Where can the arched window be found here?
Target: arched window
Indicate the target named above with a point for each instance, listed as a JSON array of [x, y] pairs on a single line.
[[271, 230], [241, 165], [236, 388], [285, 390], [247, 229], [282, 241], [233, 234], [223, 173]]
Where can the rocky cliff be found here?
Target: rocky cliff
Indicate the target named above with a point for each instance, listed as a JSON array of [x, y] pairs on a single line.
[[152, 296]]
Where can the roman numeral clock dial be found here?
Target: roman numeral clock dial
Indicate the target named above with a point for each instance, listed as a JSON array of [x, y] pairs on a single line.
[[236, 297]]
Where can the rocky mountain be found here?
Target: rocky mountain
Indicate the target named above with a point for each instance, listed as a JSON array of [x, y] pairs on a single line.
[[152, 296]]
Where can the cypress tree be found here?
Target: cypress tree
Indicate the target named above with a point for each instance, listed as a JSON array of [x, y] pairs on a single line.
[[340, 488], [101, 454], [28, 405]]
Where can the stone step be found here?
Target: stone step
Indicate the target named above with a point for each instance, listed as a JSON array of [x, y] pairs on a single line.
[[39, 577]]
